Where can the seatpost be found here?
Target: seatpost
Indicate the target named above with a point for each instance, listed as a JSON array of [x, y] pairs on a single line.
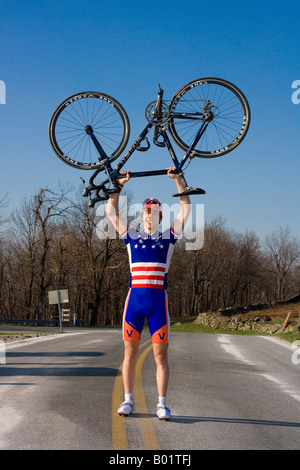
[[157, 110]]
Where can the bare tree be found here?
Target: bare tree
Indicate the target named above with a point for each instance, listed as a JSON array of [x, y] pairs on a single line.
[[57, 243], [282, 255], [99, 259], [3, 261], [34, 225]]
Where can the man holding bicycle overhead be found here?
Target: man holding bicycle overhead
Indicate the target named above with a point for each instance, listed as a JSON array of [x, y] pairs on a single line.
[[150, 254]]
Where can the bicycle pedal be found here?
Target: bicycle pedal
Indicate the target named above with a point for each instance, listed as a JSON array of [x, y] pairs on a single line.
[[190, 192]]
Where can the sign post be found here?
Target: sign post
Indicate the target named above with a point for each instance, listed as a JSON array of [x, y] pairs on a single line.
[[59, 311], [2, 352], [58, 297]]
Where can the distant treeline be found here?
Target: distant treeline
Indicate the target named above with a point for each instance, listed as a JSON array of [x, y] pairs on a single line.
[[51, 243]]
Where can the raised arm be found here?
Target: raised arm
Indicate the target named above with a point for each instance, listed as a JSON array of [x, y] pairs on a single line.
[[112, 208], [185, 203]]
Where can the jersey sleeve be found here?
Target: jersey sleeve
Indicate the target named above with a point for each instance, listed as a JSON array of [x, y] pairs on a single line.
[[170, 235], [125, 235], [174, 234], [129, 234]]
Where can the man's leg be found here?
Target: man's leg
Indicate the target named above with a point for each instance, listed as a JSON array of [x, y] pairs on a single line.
[[131, 337], [160, 351], [162, 378], [131, 349], [128, 372]]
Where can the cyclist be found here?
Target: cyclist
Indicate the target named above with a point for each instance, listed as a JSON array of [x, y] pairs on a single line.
[[149, 256]]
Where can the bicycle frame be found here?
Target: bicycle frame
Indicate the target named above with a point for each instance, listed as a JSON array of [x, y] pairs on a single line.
[[159, 131]]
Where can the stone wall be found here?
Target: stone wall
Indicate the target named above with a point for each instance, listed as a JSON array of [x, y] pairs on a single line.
[[258, 324]]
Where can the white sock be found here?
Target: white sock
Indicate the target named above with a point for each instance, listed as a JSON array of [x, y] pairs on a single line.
[[162, 401], [128, 398]]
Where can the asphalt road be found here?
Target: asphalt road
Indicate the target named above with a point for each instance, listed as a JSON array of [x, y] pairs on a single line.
[[225, 392]]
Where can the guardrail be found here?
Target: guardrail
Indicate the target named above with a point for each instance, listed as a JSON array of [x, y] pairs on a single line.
[[40, 322]]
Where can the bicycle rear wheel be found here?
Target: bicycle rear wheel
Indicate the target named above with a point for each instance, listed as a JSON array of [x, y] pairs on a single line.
[[227, 121], [68, 124]]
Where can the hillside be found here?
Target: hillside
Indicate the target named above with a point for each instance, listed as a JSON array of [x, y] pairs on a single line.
[[260, 318], [277, 311]]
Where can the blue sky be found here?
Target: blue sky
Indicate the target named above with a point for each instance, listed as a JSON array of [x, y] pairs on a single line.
[[52, 49]]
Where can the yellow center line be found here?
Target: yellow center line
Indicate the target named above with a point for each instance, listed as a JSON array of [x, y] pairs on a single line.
[[119, 434], [147, 429]]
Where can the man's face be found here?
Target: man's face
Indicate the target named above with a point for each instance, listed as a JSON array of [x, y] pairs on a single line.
[[151, 219]]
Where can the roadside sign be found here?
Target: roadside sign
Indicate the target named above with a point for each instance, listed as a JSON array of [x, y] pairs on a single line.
[[58, 297], [66, 314], [54, 294]]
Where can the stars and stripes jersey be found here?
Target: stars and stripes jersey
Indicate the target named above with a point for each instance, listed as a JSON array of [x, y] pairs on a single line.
[[149, 257]]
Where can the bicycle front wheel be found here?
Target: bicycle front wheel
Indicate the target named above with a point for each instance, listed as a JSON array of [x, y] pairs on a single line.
[[91, 109], [218, 105]]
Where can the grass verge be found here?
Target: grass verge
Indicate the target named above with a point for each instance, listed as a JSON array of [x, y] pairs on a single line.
[[187, 325]]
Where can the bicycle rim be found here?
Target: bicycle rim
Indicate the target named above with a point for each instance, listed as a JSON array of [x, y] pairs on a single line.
[[229, 122], [67, 129]]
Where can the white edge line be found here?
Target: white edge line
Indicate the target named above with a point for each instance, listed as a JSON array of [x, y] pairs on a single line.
[[36, 339]]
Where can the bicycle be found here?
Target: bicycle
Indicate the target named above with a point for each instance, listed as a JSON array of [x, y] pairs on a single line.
[[206, 118]]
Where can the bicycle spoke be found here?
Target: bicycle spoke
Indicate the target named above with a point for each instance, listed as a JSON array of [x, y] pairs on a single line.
[[216, 101], [102, 114]]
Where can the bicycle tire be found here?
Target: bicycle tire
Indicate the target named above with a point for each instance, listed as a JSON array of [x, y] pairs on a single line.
[[67, 129], [228, 127]]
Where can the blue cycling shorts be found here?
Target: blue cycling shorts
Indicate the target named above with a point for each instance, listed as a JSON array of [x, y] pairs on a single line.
[[151, 304]]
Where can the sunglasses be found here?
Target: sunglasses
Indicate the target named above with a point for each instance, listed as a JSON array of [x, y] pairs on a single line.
[[151, 200]]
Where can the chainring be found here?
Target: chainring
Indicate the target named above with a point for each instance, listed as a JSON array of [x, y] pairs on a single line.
[[154, 119]]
